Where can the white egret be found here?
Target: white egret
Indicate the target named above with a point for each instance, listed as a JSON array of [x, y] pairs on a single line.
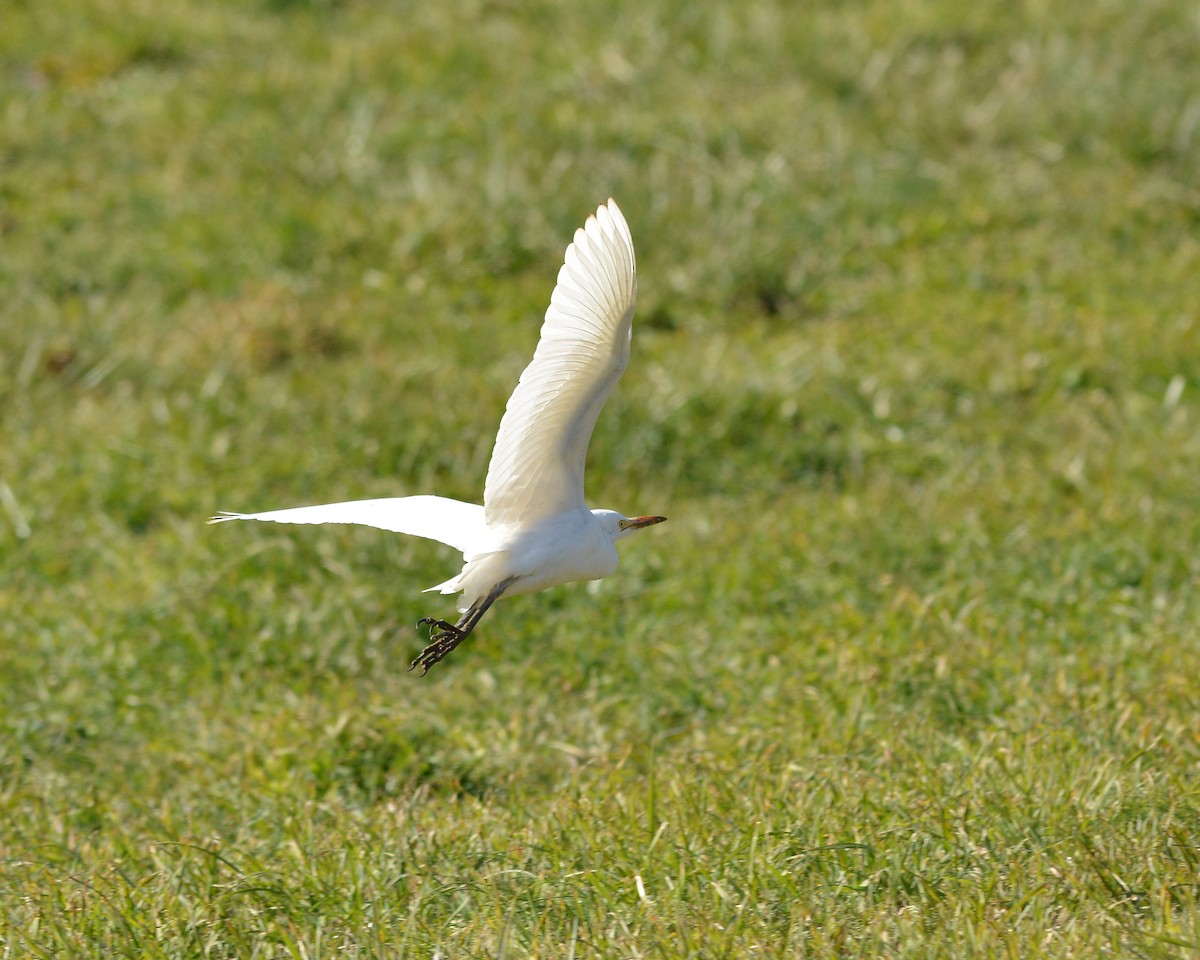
[[533, 530]]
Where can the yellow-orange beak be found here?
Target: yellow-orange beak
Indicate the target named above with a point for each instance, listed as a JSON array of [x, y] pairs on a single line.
[[636, 523]]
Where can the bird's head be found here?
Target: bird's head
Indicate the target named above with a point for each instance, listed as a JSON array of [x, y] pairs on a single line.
[[619, 526]]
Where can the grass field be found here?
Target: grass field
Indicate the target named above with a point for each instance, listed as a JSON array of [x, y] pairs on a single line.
[[913, 671]]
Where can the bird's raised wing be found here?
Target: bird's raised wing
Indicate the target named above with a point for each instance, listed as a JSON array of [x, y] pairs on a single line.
[[435, 518], [537, 463]]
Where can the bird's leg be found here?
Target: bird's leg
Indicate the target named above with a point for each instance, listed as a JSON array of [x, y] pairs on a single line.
[[446, 636]]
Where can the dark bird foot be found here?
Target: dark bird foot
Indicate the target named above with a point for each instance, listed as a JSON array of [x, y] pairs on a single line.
[[435, 622], [446, 637]]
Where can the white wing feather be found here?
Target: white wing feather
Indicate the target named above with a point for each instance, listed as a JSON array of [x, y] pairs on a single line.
[[448, 521], [538, 461]]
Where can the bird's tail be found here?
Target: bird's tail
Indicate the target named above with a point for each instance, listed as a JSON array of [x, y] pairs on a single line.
[[481, 573]]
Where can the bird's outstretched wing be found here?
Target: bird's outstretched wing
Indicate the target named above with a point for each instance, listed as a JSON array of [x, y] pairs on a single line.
[[435, 518], [537, 463]]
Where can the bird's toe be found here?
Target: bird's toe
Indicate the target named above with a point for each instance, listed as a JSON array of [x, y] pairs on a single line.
[[442, 641]]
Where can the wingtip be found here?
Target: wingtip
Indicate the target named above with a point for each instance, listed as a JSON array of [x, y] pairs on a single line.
[[608, 207], [223, 516], [610, 218]]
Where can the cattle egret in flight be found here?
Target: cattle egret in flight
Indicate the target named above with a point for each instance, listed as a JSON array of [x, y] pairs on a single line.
[[533, 530]]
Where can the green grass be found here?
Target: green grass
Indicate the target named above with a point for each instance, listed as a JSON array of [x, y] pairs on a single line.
[[912, 671]]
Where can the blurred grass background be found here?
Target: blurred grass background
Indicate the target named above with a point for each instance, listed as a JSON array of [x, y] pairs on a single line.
[[912, 669]]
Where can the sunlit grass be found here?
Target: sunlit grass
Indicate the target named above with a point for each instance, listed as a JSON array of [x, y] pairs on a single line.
[[911, 670]]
